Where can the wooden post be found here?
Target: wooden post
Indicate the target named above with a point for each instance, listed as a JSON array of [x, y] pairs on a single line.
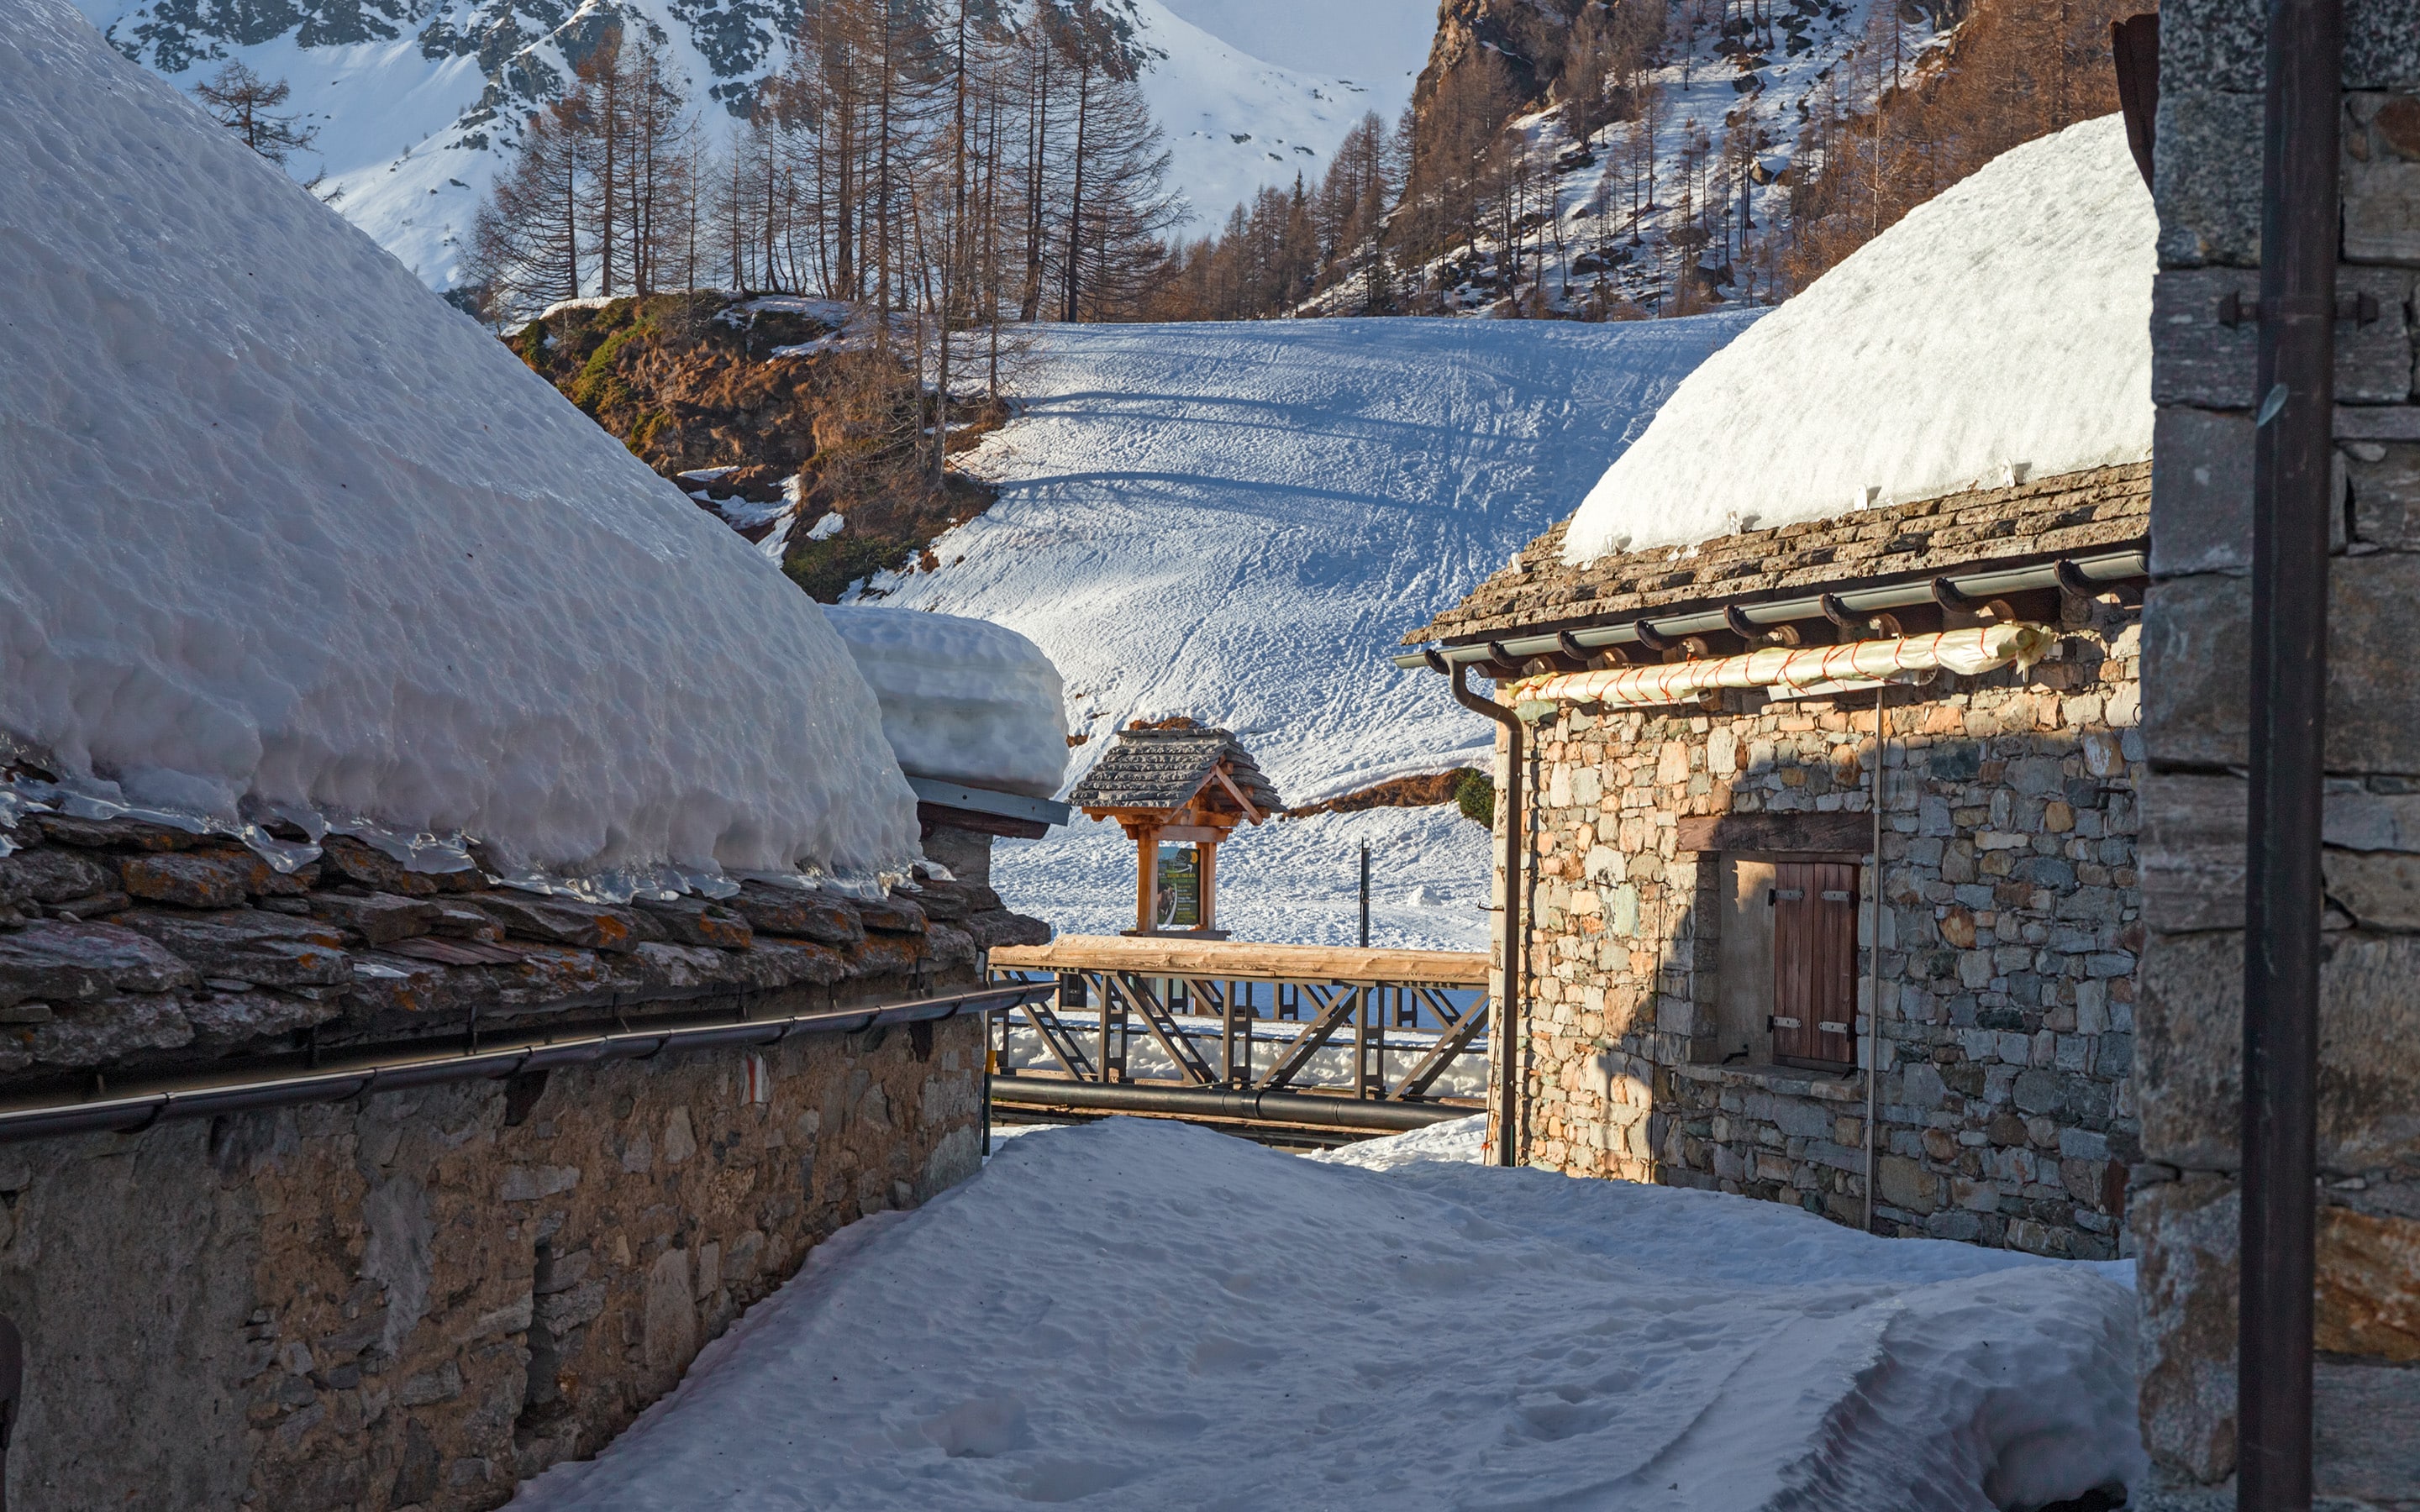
[[1207, 857], [1146, 874]]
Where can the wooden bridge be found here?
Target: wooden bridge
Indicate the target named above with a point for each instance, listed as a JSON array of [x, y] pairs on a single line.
[[1208, 1005]]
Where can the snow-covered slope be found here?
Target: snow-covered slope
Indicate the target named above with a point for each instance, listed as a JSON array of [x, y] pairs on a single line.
[[1236, 521], [2004, 325], [1253, 92], [281, 532], [1155, 1316], [1724, 105], [417, 103]]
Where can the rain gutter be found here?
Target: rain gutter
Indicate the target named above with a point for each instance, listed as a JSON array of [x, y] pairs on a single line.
[[1505, 1033], [2075, 575], [342, 1076]]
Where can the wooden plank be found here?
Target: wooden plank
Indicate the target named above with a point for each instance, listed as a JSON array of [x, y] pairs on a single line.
[[932, 816], [1245, 960], [1838, 834]]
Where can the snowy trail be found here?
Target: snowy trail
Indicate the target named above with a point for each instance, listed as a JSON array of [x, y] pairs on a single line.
[[1154, 1316], [1238, 522]]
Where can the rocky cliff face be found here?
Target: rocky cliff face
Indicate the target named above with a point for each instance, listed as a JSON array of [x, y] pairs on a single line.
[[776, 413], [1526, 37]]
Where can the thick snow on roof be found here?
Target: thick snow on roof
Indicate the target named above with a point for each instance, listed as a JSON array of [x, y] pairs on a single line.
[[964, 701], [2007, 321], [278, 528]]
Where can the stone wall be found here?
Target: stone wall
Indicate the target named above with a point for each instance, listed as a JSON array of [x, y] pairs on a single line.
[[2195, 729], [415, 1300], [2007, 951]]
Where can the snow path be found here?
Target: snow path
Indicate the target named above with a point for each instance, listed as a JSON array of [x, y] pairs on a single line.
[[1154, 1316], [1238, 521]]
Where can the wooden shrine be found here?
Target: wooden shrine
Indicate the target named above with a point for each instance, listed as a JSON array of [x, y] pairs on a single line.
[[1177, 788]]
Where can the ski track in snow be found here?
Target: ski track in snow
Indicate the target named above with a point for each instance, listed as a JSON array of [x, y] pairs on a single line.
[[1148, 1315], [1238, 522]]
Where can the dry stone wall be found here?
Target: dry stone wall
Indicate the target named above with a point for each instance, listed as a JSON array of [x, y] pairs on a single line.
[[2195, 729], [2008, 937], [416, 1299]]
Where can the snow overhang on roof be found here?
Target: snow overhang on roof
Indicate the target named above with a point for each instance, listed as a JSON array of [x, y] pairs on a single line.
[[964, 701], [2000, 331], [286, 536]]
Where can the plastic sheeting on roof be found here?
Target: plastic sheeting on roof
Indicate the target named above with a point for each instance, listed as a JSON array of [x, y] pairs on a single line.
[[2001, 331]]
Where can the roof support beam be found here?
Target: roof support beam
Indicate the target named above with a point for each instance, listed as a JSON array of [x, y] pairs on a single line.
[[1653, 630]]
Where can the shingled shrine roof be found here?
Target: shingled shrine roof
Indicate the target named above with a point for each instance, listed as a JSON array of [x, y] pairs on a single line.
[[1165, 768], [2072, 514]]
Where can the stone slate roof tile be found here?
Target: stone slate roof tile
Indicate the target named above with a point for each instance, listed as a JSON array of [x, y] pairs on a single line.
[[2071, 514], [111, 959], [1165, 768]]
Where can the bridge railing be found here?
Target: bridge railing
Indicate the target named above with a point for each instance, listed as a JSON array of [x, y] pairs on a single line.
[[1405, 1018]]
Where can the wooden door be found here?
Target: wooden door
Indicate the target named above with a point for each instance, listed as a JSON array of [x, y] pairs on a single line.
[[1815, 962]]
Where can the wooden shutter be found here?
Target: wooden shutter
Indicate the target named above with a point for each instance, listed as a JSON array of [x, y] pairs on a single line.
[[1815, 962]]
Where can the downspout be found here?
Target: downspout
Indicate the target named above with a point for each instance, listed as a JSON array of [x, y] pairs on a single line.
[[2296, 382], [1874, 963], [1507, 1029]]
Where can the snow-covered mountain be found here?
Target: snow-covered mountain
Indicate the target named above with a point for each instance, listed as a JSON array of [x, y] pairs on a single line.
[[417, 103]]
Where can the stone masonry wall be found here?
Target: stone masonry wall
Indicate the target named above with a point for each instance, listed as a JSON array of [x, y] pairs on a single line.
[[2009, 941], [415, 1300], [2195, 729]]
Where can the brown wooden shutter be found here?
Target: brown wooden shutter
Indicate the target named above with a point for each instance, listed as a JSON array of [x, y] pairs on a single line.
[[1815, 962]]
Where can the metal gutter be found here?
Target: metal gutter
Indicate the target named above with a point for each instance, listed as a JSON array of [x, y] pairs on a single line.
[[2292, 451], [344, 1076], [1243, 1105], [1504, 1033], [989, 800], [2112, 568]]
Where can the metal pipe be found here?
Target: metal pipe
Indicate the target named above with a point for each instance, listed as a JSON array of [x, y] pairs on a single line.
[[1241, 1104], [1858, 602], [1505, 1031], [1874, 963], [342, 1076], [2295, 377]]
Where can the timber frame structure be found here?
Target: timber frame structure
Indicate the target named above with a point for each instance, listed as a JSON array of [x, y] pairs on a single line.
[[1178, 784]]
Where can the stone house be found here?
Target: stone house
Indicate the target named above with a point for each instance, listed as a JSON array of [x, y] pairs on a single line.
[[1698, 872], [244, 1277], [1710, 993]]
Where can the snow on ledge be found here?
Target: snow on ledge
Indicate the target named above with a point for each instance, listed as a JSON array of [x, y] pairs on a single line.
[[2005, 324], [963, 701], [282, 534]]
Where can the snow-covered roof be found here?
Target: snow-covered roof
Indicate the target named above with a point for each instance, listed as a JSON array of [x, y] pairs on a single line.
[[964, 701], [280, 530], [2002, 325]]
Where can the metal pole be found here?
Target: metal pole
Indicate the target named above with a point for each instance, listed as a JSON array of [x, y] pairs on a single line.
[[1874, 965], [2290, 508], [1365, 895], [1505, 1031]]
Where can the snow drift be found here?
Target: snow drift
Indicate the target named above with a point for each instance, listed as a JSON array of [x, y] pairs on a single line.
[[1157, 1315], [964, 701], [2005, 322], [279, 530]]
